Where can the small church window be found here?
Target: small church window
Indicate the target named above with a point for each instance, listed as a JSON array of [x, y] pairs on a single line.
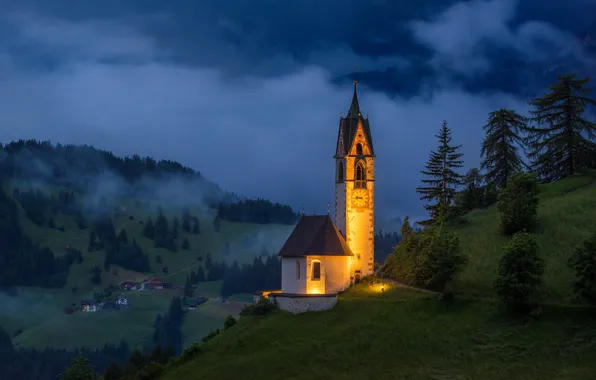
[[360, 176], [297, 270], [359, 149], [316, 270]]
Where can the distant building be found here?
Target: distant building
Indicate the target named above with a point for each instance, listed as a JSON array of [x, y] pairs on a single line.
[[130, 285], [122, 301], [89, 305], [155, 284]]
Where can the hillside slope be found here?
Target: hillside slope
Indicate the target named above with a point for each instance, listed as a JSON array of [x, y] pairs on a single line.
[[566, 216], [401, 334]]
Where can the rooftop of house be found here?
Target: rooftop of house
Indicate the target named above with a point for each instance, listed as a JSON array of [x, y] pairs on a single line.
[[315, 235]]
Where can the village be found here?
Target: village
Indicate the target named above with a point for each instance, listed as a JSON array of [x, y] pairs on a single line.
[[107, 301]]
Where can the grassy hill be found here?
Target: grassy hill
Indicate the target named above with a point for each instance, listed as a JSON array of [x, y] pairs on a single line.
[[400, 334], [407, 334], [566, 216]]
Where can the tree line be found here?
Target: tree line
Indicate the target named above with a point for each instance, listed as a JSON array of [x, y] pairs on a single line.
[[559, 143], [556, 137], [22, 262], [256, 211]]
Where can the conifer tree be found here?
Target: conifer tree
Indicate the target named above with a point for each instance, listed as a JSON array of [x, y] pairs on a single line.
[[561, 142], [442, 179], [500, 146]]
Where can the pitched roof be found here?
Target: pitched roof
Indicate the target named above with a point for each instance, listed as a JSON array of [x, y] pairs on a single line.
[[348, 125], [315, 235]]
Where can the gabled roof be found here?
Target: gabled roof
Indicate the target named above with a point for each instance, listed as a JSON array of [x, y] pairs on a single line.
[[315, 235], [348, 125]]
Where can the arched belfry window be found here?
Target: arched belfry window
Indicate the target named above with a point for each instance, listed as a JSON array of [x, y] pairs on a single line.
[[359, 149], [360, 175], [340, 171]]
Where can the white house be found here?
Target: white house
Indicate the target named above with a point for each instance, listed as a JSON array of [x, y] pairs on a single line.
[[122, 301], [89, 306]]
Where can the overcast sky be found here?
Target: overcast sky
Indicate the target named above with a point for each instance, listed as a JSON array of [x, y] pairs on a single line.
[[249, 92]]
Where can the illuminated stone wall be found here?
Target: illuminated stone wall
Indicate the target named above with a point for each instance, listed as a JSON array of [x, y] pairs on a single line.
[[360, 221], [335, 274]]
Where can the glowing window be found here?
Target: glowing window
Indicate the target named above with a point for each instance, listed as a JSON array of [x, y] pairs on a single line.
[[316, 270], [360, 175]]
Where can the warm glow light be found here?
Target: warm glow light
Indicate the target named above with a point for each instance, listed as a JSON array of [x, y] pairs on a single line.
[[314, 291], [378, 288]]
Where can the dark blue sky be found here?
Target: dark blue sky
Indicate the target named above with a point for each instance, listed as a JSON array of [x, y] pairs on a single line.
[[250, 92]]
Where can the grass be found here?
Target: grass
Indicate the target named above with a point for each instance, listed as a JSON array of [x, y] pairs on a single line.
[[566, 216], [401, 334], [37, 315], [406, 334]]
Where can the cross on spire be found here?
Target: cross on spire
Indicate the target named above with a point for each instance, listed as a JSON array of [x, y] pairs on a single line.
[[355, 106]]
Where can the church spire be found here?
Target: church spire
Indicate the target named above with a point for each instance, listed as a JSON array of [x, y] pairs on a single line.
[[354, 107]]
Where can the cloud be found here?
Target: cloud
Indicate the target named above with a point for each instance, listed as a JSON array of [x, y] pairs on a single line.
[[465, 35], [458, 34], [271, 137]]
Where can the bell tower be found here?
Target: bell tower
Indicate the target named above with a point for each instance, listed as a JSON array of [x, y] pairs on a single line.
[[354, 188]]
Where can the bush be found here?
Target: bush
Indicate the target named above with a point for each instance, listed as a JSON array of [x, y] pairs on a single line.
[[191, 352], [520, 270], [440, 259], [262, 307], [229, 322], [211, 335], [583, 262], [431, 259], [518, 203]]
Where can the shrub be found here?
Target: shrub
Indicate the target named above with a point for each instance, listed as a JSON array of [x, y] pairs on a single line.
[[583, 262], [211, 335], [440, 259], [262, 307], [431, 259], [191, 352], [229, 322], [520, 270], [518, 203], [150, 371]]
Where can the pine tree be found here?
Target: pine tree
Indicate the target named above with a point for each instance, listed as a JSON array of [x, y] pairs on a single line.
[[500, 146], [216, 224], [201, 274], [123, 237], [560, 143], [443, 178], [186, 220], [188, 291], [196, 229], [406, 229], [149, 230]]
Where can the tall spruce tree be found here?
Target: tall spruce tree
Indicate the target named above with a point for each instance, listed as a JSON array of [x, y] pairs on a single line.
[[442, 178], [500, 146], [561, 142]]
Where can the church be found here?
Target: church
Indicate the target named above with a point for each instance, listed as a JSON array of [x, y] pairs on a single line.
[[322, 257]]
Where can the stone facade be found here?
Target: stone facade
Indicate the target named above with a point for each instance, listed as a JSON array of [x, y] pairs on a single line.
[[300, 303]]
